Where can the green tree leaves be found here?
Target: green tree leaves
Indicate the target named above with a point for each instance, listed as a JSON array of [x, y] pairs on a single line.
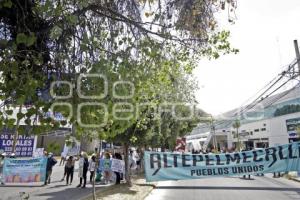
[[28, 40]]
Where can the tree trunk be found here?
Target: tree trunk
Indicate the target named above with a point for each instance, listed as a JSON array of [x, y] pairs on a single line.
[[16, 134], [83, 143], [127, 167], [239, 142], [96, 167]]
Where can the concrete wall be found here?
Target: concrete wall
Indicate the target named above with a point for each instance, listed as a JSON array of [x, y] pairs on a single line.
[[59, 140]]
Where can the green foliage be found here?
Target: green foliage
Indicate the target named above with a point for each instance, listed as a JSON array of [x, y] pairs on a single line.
[[237, 124], [54, 148], [47, 41]]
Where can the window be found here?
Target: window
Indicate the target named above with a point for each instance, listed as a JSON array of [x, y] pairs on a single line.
[[256, 130], [265, 124], [251, 133], [263, 129]]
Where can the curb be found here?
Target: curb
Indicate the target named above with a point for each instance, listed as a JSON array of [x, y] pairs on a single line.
[[103, 189], [295, 179]]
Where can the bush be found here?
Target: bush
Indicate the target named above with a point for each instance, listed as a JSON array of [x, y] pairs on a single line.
[[54, 148]]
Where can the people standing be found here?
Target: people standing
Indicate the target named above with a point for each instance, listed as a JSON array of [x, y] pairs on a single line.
[[69, 167], [83, 168], [118, 174], [2, 157], [92, 167], [65, 171], [132, 160], [51, 161], [138, 160], [63, 158], [106, 168]]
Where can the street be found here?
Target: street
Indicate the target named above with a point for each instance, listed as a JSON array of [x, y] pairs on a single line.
[[220, 188], [229, 188], [56, 190]]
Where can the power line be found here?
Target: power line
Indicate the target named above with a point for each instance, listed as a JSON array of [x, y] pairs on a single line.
[[255, 102]]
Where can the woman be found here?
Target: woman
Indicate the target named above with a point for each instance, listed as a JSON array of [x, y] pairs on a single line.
[[83, 168], [106, 168], [70, 169], [65, 170], [92, 167]]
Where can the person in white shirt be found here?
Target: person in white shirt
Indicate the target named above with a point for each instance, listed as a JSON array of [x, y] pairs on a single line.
[[63, 156], [92, 167]]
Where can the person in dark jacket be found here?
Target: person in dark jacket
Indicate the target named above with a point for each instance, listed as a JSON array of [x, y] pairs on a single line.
[[118, 174], [70, 169], [50, 163]]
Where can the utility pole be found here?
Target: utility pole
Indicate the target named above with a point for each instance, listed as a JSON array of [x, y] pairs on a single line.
[[213, 132], [297, 55]]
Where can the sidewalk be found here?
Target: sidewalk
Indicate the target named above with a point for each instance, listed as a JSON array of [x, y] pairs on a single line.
[[295, 179], [293, 176], [55, 191], [139, 190]]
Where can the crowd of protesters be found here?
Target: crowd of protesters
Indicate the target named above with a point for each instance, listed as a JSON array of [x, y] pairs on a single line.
[[88, 169]]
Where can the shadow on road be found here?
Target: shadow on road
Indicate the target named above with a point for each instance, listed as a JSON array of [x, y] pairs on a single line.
[[225, 188], [79, 193], [68, 193]]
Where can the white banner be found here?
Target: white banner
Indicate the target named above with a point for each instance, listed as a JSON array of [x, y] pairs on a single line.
[[117, 165], [39, 152]]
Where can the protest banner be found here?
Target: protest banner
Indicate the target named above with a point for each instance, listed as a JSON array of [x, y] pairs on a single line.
[[24, 170], [73, 151], [173, 166], [117, 165], [39, 152], [104, 164], [24, 148]]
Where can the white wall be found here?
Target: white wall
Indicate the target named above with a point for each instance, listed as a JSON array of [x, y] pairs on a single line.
[[279, 130], [276, 130]]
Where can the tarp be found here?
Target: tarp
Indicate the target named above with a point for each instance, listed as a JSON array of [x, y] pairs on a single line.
[[24, 170], [173, 166]]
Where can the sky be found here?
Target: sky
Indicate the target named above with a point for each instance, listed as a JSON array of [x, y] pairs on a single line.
[[263, 32]]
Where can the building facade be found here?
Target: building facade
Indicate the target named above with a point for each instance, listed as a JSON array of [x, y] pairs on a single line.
[[273, 122]]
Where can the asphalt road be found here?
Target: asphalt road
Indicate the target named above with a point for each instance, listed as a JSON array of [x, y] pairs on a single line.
[[57, 190], [233, 188]]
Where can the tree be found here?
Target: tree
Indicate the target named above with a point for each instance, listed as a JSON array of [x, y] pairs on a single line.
[[237, 124], [153, 44]]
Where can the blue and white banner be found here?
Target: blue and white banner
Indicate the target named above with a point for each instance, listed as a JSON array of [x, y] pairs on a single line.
[[24, 170], [161, 166]]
